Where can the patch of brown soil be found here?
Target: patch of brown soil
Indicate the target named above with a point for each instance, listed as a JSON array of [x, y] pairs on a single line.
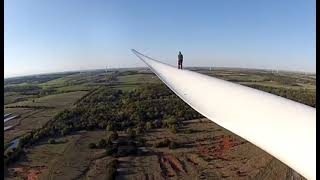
[[174, 162], [196, 160], [26, 172], [170, 165], [16, 170], [166, 171], [220, 149], [226, 144]]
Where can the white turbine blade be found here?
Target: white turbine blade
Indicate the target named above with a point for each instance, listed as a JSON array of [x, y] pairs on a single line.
[[283, 128]]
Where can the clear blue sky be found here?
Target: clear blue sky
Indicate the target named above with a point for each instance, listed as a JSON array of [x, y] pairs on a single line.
[[59, 35]]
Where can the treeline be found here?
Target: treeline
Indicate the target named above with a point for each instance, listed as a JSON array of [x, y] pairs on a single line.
[[304, 96], [285, 80], [126, 73], [92, 91], [36, 78], [32, 107], [28, 89]]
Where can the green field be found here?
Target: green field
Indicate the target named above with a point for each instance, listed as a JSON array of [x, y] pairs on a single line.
[[32, 117], [130, 82]]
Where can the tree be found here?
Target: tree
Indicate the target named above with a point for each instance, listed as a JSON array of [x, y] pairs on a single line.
[[148, 125], [138, 130], [102, 143], [65, 131], [110, 127], [189, 131], [113, 136], [173, 145], [141, 141], [109, 141], [157, 124], [170, 121], [174, 129], [111, 170], [51, 141], [131, 132], [164, 143], [92, 145], [109, 151]]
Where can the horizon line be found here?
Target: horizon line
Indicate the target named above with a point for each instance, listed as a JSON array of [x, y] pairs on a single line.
[[223, 67]]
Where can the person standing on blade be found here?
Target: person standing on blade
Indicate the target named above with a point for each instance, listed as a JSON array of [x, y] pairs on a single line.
[[180, 60]]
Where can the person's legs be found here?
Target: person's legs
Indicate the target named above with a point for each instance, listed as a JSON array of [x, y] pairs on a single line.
[[181, 65]]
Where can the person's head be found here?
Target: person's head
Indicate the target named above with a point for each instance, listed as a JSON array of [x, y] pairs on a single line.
[[179, 52]]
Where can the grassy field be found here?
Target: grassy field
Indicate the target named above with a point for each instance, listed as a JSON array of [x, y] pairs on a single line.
[[55, 100], [33, 117], [287, 80], [16, 91], [82, 87], [138, 78], [69, 158], [130, 82], [12, 97]]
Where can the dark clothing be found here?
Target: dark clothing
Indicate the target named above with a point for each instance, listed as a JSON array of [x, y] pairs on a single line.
[[180, 60], [179, 64]]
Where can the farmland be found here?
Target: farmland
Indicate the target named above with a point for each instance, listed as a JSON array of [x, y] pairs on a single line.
[[69, 121]]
